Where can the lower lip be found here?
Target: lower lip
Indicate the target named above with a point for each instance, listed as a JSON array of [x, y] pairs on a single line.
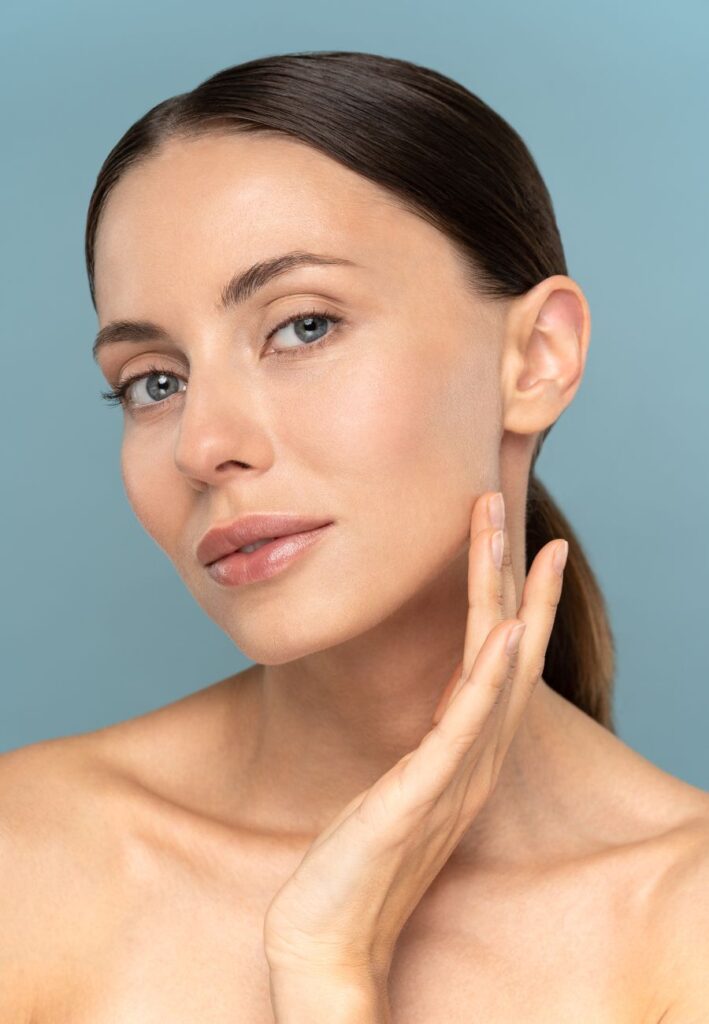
[[268, 560]]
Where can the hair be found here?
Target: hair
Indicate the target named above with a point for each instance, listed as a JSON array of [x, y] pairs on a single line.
[[447, 157]]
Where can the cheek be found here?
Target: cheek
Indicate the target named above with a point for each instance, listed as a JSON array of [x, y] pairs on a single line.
[[153, 489], [399, 450], [419, 432]]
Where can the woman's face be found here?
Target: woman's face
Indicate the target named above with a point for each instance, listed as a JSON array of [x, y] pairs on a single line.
[[390, 429]]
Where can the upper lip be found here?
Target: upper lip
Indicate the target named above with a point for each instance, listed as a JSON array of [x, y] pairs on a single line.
[[223, 540]]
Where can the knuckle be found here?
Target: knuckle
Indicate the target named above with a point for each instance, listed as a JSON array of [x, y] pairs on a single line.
[[456, 742], [499, 685], [462, 744], [502, 691], [536, 670], [498, 701], [501, 679], [477, 603], [513, 662]]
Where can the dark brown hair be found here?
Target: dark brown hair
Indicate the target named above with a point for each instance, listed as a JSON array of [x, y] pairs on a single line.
[[449, 158]]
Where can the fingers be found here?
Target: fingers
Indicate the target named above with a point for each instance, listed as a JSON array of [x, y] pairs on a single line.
[[483, 712], [488, 615], [489, 596], [487, 601], [430, 768], [540, 599]]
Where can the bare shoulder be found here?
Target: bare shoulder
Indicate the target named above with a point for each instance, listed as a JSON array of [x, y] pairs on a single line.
[[40, 820], [665, 859], [54, 852], [71, 817], [649, 841], [682, 907]]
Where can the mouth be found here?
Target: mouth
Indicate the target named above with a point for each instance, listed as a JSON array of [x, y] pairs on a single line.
[[250, 532], [258, 544], [266, 557]]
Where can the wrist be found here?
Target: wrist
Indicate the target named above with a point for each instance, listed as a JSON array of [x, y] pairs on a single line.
[[301, 997]]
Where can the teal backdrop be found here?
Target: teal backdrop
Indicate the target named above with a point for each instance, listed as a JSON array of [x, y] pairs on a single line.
[[613, 101]]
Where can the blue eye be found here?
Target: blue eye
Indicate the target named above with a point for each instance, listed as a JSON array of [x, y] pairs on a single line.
[[159, 388], [309, 318], [118, 395]]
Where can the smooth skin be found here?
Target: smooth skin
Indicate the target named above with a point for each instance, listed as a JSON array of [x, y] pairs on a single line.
[[139, 861], [344, 908]]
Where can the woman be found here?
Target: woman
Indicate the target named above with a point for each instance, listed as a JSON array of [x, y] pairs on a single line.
[[390, 815]]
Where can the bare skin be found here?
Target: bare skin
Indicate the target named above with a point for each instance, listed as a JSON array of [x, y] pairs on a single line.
[[133, 894], [139, 859]]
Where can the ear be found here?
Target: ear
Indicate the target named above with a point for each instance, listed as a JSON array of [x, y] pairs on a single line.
[[547, 335]]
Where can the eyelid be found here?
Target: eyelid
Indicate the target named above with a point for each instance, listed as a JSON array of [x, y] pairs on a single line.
[[118, 395], [304, 314]]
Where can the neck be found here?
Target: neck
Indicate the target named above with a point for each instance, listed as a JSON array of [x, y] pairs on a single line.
[[328, 725]]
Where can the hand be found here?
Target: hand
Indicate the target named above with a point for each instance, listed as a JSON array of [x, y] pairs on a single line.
[[342, 910]]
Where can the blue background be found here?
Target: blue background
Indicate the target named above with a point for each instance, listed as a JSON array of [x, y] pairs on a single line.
[[612, 100]]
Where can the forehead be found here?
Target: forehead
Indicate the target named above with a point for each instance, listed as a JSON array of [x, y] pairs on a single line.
[[200, 208]]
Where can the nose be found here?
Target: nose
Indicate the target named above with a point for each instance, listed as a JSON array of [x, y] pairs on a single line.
[[221, 429]]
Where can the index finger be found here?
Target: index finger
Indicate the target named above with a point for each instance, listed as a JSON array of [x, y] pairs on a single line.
[[488, 588]]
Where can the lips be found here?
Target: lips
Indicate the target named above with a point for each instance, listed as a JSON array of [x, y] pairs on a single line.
[[225, 539]]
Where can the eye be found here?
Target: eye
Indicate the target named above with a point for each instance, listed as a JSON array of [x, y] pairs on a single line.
[[157, 378], [310, 333], [157, 386]]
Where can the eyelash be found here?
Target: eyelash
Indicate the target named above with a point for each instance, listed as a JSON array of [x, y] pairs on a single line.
[[117, 395]]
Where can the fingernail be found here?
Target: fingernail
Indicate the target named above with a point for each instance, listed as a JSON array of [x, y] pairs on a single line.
[[498, 545], [496, 510], [561, 552], [514, 637]]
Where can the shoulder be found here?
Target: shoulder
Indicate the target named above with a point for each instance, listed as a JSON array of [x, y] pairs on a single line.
[[651, 832], [54, 851], [74, 815], [664, 871], [682, 907], [659, 851]]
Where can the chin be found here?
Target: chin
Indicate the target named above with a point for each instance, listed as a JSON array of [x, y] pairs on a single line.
[[287, 642]]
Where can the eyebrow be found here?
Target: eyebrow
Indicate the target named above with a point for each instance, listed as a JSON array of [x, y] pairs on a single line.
[[236, 291]]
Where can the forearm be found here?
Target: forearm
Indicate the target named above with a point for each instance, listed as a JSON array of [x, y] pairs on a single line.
[[301, 999]]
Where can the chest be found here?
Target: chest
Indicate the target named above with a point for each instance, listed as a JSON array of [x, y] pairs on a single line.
[[188, 948]]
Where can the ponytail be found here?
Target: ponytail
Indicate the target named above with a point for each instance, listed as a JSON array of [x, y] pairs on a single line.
[[450, 158], [580, 659]]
